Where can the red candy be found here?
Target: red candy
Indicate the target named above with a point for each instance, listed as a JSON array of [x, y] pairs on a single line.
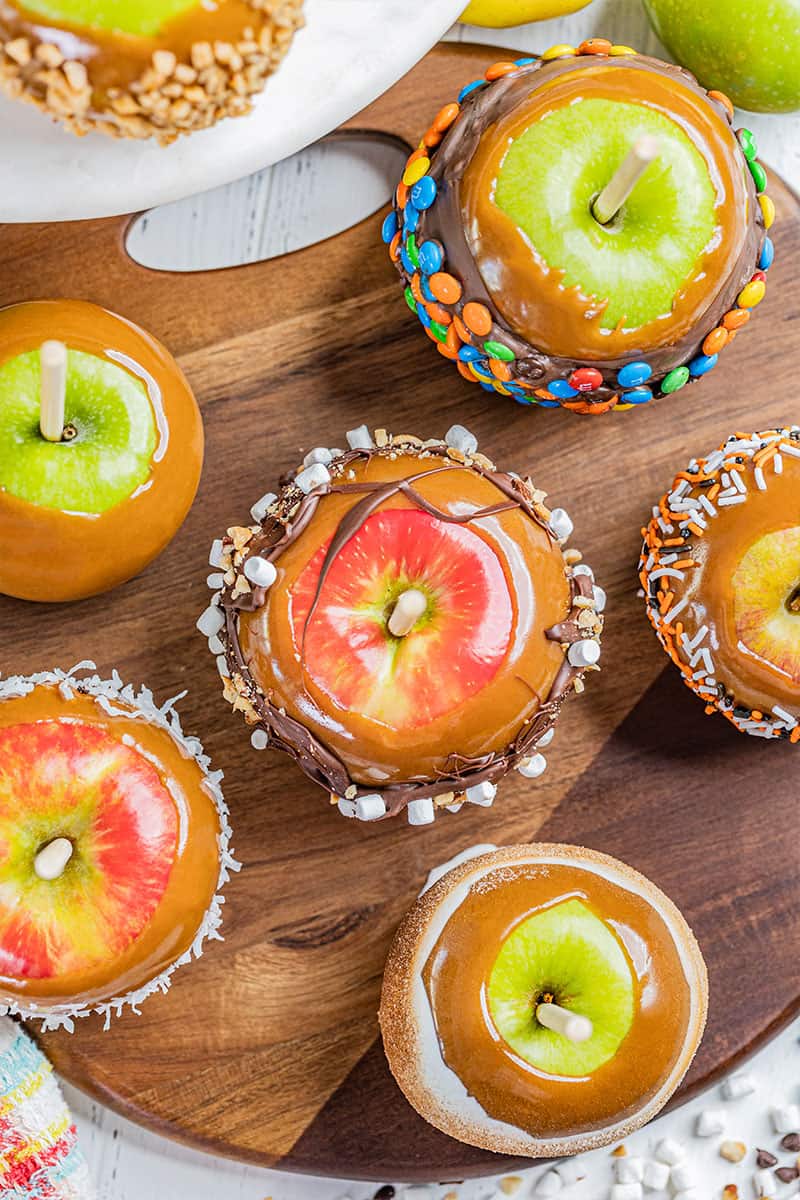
[[586, 379]]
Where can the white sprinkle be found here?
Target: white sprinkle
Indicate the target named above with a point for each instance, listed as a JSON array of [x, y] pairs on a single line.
[[737, 1086], [714, 460], [707, 505], [704, 656], [738, 482], [259, 739], [669, 1151], [561, 524], [461, 439], [318, 455], [359, 439], [786, 1120], [784, 716], [681, 1176], [260, 571], [215, 645], [793, 451], [777, 463], [215, 581], [629, 1170], [312, 477], [211, 621], [481, 793], [216, 552], [549, 1184], [676, 608], [370, 808], [584, 653], [761, 482], [599, 598], [421, 812], [259, 509], [765, 1184], [626, 1191], [656, 1176], [691, 644], [533, 766], [546, 739], [346, 807], [670, 572]]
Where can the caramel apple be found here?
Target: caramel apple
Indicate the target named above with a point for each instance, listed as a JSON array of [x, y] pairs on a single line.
[[101, 448], [583, 229], [135, 69], [113, 846], [404, 621], [720, 569], [542, 1000]]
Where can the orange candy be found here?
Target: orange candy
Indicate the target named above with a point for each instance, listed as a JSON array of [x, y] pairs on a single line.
[[461, 329], [499, 69], [401, 195], [464, 370], [445, 117], [416, 290], [453, 341], [446, 350], [432, 138], [723, 100], [394, 247], [736, 318], [477, 318], [500, 369], [716, 340], [437, 313], [595, 46], [445, 288]]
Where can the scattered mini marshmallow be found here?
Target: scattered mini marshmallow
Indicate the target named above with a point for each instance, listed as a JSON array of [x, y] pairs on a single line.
[[561, 524], [312, 477], [681, 1176], [549, 1184], [260, 571], [710, 1123], [211, 620], [626, 1191], [259, 509], [737, 1086], [215, 553], [360, 438], [584, 653], [785, 1120], [533, 766], [765, 1184], [318, 455], [669, 1151], [600, 598], [346, 807], [421, 812], [370, 808], [629, 1170], [545, 740], [259, 739], [459, 438], [482, 793], [656, 1176]]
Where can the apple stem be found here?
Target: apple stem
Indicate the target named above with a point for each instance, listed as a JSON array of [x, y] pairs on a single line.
[[51, 860], [570, 1025], [409, 607], [52, 389], [643, 151]]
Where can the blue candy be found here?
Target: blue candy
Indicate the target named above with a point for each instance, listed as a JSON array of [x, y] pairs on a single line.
[[631, 375], [389, 227], [639, 395], [702, 364], [431, 257], [548, 403], [524, 62], [423, 193], [767, 255], [410, 219], [408, 266], [480, 369], [423, 316], [469, 354], [425, 288], [487, 387], [562, 389], [471, 87]]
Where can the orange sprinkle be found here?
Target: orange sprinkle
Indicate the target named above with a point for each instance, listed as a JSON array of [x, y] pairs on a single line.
[[477, 318], [794, 736], [437, 313], [445, 117], [723, 100], [696, 530], [756, 715], [714, 491], [499, 69], [735, 318], [716, 340], [666, 603], [595, 46], [500, 370], [445, 288], [461, 329], [394, 247]]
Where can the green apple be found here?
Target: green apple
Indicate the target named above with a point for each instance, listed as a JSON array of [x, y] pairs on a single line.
[[105, 460], [140, 18], [749, 49], [551, 175], [568, 956]]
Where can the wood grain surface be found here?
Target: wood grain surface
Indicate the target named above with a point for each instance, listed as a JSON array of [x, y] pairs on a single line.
[[266, 1048]]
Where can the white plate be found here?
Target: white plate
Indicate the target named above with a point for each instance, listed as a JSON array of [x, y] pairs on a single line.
[[349, 52]]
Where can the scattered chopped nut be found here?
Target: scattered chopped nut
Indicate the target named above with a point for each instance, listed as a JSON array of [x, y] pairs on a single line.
[[619, 1151], [511, 1184]]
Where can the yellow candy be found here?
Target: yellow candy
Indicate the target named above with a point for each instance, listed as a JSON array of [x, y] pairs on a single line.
[[767, 208], [623, 407], [415, 170], [622, 52], [498, 387], [753, 294], [560, 51]]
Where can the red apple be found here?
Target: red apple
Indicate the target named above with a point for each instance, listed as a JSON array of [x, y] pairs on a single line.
[[453, 650], [74, 780]]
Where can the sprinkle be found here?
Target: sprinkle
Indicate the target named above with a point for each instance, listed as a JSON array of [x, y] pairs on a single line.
[[562, 50], [752, 294], [767, 209]]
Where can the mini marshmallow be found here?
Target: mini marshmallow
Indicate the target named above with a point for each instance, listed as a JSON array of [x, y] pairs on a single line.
[[629, 1170], [584, 653], [599, 598], [215, 553], [260, 571], [312, 477], [481, 793], [561, 524], [222, 666], [765, 1183], [346, 807], [370, 808], [211, 620], [421, 812], [669, 1151], [737, 1086], [533, 766], [215, 645], [583, 569], [681, 1176], [454, 808], [626, 1191], [546, 739], [461, 439], [259, 509], [785, 1120], [318, 455], [710, 1122], [549, 1184], [259, 739], [359, 439], [656, 1176], [215, 581]]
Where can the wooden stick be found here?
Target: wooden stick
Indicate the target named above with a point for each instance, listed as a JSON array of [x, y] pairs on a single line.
[[52, 389], [624, 180], [571, 1025], [408, 609]]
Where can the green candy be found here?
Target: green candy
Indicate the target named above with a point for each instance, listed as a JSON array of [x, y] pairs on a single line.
[[675, 380], [748, 144], [759, 175], [498, 350], [439, 331], [411, 249], [410, 301]]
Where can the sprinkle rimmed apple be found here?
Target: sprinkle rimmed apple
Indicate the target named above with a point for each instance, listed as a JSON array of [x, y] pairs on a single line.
[[766, 602], [101, 448]]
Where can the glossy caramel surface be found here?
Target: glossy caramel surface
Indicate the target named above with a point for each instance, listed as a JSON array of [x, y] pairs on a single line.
[[506, 1087], [193, 878]]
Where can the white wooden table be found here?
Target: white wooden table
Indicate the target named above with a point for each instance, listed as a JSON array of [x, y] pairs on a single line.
[[299, 201]]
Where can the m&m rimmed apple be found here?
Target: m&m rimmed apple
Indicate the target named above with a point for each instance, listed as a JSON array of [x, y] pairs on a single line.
[[720, 569], [541, 1000], [405, 621], [142, 68], [583, 229], [101, 448], [114, 845]]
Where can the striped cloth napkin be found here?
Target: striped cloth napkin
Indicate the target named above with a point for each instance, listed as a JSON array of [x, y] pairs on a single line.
[[39, 1155]]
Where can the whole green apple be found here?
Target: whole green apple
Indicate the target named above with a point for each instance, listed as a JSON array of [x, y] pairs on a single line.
[[749, 49]]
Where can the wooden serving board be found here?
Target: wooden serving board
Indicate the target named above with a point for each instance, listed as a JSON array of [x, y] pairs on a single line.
[[267, 1048]]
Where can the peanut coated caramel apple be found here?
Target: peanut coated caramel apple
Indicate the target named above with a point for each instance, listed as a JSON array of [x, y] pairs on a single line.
[[142, 68], [542, 1000], [101, 449], [583, 229], [720, 569], [404, 620], [114, 846]]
